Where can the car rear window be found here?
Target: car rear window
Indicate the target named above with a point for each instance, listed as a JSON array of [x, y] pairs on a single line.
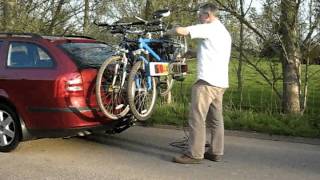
[[88, 54]]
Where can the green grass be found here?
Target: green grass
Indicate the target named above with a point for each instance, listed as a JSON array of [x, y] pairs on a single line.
[[259, 110]]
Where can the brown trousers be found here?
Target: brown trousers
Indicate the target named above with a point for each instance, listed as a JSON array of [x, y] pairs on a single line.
[[206, 111]]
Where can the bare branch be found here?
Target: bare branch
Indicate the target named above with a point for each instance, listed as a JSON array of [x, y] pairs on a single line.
[[260, 71], [240, 18]]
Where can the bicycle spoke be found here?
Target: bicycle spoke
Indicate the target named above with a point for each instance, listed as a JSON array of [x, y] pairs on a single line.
[[142, 98], [111, 97]]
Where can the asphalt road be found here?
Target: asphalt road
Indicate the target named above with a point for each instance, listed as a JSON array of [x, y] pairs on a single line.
[[145, 153]]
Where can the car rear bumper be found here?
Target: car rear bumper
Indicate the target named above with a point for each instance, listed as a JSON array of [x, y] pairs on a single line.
[[57, 133], [66, 109], [107, 127], [64, 118]]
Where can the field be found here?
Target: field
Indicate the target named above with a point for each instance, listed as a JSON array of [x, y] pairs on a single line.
[[257, 108]]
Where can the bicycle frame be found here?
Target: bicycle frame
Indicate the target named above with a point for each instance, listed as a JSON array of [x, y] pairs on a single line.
[[143, 44]]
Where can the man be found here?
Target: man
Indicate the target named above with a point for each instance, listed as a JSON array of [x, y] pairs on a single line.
[[212, 79]]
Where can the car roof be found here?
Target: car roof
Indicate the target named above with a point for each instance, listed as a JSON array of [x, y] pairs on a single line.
[[69, 39]]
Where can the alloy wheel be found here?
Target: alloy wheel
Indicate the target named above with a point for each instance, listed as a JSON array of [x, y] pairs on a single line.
[[7, 128]]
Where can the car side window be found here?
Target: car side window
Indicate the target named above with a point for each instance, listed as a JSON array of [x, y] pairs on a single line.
[[28, 55]]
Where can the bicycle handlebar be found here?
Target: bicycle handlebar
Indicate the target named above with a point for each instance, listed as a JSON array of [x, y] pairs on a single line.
[[120, 24], [126, 28]]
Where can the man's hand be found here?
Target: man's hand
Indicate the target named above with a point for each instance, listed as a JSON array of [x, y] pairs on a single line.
[[189, 54], [182, 31]]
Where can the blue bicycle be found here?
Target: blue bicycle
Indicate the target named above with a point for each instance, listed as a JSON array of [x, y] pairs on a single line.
[[157, 58], [152, 63]]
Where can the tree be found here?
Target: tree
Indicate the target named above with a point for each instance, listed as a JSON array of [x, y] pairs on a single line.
[[287, 34], [290, 57], [148, 9], [86, 17], [8, 9], [310, 45], [56, 13]]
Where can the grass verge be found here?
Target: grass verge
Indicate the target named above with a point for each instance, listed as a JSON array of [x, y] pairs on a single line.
[[257, 110]]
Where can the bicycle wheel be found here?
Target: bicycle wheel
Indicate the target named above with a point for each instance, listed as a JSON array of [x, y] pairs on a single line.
[[165, 84], [110, 88], [141, 96]]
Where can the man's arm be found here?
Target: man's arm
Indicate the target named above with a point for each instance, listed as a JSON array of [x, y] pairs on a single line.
[[182, 31]]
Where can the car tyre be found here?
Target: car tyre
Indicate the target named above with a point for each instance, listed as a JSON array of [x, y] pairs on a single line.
[[9, 129]]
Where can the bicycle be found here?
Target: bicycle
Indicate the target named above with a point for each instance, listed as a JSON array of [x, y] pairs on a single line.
[[137, 57], [153, 63], [111, 78]]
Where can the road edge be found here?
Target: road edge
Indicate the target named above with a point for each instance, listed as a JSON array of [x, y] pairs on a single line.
[[248, 134]]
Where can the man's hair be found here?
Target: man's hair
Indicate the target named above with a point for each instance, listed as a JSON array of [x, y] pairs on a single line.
[[210, 7]]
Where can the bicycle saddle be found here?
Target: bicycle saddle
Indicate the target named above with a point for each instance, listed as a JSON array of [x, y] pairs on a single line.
[[161, 13]]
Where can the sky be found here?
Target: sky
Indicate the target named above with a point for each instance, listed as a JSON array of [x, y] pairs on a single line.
[[255, 3]]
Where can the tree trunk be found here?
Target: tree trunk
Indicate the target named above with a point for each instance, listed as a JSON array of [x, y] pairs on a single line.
[[55, 16], [148, 9], [240, 64], [86, 17], [290, 57]]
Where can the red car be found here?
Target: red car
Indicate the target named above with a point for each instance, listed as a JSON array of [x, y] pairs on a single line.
[[47, 88]]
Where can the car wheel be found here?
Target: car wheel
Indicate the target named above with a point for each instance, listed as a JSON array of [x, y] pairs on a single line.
[[9, 129]]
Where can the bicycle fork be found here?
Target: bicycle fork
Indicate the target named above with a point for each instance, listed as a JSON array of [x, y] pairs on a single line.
[[145, 67], [124, 60]]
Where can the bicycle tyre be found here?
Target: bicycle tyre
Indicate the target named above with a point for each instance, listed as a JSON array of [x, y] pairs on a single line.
[[138, 108], [165, 85], [111, 107]]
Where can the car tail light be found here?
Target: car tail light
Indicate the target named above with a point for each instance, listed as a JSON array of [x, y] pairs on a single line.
[[74, 85]]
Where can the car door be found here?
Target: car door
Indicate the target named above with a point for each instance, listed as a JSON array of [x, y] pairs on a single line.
[[29, 74]]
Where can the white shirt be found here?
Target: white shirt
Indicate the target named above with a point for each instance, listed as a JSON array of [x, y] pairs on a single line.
[[213, 52]]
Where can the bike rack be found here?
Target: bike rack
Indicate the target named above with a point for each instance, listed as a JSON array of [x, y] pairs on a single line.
[[78, 36], [14, 34]]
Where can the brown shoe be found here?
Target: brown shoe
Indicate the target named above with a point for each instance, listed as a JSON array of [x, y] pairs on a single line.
[[212, 157], [184, 159]]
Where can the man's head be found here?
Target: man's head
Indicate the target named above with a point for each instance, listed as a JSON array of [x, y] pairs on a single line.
[[207, 13]]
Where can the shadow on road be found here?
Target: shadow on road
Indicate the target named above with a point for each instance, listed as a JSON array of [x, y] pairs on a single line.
[[160, 150], [242, 152]]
